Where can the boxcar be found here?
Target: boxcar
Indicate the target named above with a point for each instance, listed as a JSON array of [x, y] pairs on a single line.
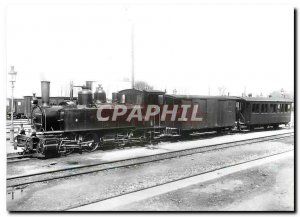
[[217, 113], [263, 112]]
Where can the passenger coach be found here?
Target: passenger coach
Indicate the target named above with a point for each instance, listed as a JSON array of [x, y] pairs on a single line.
[[263, 112]]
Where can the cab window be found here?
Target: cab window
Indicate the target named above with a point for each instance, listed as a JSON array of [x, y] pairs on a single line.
[[160, 99]]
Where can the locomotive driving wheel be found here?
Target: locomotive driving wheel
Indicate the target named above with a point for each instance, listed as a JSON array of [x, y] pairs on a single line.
[[40, 148], [93, 142]]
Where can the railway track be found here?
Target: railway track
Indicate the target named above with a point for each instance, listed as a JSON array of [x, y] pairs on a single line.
[[15, 158], [15, 181], [109, 203]]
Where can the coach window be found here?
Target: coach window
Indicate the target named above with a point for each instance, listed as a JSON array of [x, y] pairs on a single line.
[[255, 108], [278, 107], [281, 107], [288, 107], [273, 108], [263, 108]]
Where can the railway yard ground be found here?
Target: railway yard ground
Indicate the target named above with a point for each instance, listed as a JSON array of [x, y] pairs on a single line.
[[210, 172]]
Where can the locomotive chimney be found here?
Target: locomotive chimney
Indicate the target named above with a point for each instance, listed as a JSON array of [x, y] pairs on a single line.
[[45, 92]]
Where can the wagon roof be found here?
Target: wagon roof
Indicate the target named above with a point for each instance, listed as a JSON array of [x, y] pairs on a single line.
[[126, 90], [265, 99], [201, 97], [154, 91]]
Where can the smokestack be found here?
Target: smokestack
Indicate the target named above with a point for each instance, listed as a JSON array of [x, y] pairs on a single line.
[[45, 92], [89, 84]]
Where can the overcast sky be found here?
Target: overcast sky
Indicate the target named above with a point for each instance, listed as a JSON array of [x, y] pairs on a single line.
[[190, 48]]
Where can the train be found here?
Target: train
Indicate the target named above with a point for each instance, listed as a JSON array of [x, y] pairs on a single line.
[[132, 115]]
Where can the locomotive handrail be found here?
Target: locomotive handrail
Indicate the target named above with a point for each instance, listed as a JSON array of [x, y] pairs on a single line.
[[50, 132]]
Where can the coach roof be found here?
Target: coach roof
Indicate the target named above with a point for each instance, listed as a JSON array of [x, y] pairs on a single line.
[[265, 99]]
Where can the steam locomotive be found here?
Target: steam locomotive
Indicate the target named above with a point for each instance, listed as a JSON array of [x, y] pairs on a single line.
[[72, 125]]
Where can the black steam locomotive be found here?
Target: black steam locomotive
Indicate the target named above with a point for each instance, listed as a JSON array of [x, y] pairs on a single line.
[[74, 125]]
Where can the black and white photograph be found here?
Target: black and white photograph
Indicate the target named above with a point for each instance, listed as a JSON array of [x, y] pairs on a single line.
[[178, 106]]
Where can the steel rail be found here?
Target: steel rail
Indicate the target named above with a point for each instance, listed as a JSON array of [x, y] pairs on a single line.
[[142, 159], [170, 139]]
